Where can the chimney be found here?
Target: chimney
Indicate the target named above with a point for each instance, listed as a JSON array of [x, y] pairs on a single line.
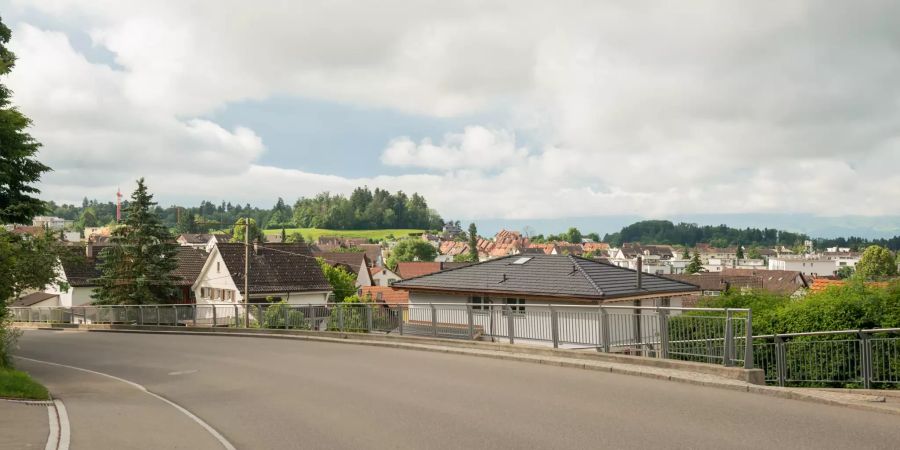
[[89, 248], [640, 270]]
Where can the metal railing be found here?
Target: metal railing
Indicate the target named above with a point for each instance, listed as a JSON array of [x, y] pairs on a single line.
[[864, 358], [705, 335]]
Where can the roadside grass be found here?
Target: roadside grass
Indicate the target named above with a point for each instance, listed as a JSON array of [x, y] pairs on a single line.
[[314, 233], [19, 385]]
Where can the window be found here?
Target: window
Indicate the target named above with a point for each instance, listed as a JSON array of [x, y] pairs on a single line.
[[480, 303], [229, 295], [218, 266], [514, 306], [204, 292], [522, 260]]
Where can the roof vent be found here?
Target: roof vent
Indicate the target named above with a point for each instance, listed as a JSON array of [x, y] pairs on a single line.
[[504, 278]]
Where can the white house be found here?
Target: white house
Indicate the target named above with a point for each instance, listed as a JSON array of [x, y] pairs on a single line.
[[287, 272], [814, 267], [382, 276], [515, 291]]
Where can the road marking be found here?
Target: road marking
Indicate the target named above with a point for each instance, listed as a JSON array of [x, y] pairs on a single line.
[[183, 372], [53, 437], [64, 433], [218, 436]]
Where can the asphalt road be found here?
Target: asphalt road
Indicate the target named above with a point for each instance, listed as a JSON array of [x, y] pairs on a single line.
[[270, 393]]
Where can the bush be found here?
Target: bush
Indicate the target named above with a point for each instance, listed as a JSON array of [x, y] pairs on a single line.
[[274, 317]]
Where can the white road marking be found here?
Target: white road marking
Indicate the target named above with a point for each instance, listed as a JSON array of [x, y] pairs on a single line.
[[64, 431], [53, 437], [218, 436], [183, 372]]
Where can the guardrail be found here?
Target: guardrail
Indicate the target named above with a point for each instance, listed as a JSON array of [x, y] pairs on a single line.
[[719, 336], [867, 358]]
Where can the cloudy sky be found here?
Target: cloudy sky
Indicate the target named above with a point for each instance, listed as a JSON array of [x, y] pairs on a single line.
[[491, 109]]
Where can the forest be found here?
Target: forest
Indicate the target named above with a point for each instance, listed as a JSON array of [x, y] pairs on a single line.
[[363, 209]]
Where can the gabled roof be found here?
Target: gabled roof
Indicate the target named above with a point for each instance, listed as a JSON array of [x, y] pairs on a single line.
[[190, 264], [352, 261], [33, 299], [719, 281], [776, 281], [194, 238], [564, 276], [80, 270], [275, 268]]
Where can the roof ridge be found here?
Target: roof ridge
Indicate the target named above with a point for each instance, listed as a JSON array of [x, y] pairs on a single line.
[[584, 274], [456, 268]]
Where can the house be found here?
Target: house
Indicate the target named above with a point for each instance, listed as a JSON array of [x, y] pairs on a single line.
[[782, 282], [382, 276], [810, 266], [373, 252], [413, 269], [78, 270], [539, 279], [335, 243], [451, 230], [273, 238], [51, 223], [193, 240], [356, 263], [595, 247], [715, 284], [36, 299], [450, 249], [516, 292], [190, 264], [287, 272], [546, 248]]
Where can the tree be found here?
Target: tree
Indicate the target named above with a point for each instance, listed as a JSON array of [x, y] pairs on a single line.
[[186, 223], [593, 236], [695, 266], [754, 253], [19, 168], [343, 283], [411, 250], [296, 238], [573, 235], [740, 251], [283, 235], [137, 268], [473, 242], [687, 253], [30, 263], [844, 272], [464, 257], [256, 235], [876, 262]]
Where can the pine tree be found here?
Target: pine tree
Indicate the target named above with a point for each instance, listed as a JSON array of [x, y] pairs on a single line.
[[695, 266], [740, 251], [19, 169], [137, 266], [473, 242]]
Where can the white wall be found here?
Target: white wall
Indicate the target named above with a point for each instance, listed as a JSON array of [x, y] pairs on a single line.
[[813, 267]]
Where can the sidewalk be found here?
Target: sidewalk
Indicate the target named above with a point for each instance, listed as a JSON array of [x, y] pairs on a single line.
[[24, 424]]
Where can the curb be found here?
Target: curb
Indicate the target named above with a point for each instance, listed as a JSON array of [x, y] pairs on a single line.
[[627, 366]]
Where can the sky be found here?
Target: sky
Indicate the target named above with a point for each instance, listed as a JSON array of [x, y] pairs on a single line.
[[514, 110]]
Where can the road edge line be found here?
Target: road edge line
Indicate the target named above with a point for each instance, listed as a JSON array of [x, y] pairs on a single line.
[[212, 431], [53, 435], [65, 434]]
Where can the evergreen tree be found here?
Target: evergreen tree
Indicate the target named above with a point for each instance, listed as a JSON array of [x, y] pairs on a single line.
[[283, 235], [19, 169], [687, 254], [137, 268], [186, 223], [473, 242], [695, 266], [740, 251]]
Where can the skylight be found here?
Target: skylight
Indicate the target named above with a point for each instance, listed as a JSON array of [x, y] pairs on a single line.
[[522, 260]]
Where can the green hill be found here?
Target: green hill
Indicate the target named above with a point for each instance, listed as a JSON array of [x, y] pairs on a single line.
[[314, 233]]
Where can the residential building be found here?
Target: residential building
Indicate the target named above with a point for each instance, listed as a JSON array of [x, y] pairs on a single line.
[[450, 249], [51, 223], [286, 272], [356, 263], [782, 282], [811, 266], [373, 253], [382, 276], [451, 230], [36, 299], [718, 264], [385, 295], [190, 263]]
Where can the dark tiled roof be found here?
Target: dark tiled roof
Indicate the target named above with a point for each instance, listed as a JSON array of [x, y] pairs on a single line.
[[349, 260], [547, 276], [80, 270], [718, 281], [783, 282], [194, 238], [33, 298], [275, 268], [190, 263]]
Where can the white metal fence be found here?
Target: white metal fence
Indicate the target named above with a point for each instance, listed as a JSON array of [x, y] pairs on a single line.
[[706, 335]]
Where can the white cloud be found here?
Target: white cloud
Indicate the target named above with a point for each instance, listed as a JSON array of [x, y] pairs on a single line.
[[637, 108]]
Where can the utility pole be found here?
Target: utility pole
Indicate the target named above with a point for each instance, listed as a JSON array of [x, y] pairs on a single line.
[[246, 271]]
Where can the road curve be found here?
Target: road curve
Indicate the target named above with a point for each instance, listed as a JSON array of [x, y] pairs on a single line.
[[271, 393]]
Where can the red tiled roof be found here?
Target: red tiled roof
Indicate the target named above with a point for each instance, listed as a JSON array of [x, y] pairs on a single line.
[[385, 294]]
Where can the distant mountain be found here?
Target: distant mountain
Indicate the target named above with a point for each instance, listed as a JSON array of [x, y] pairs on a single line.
[[815, 226]]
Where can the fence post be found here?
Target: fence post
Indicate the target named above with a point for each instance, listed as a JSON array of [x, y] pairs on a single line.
[[865, 347], [604, 329], [400, 317], [140, 315], [554, 326], [780, 360], [729, 338], [663, 316], [215, 312], [194, 314], [433, 320], [748, 341], [340, 318], [157, 314], [287, 310], [369, 324], [174, 315], [471, 318], [510, 325]]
